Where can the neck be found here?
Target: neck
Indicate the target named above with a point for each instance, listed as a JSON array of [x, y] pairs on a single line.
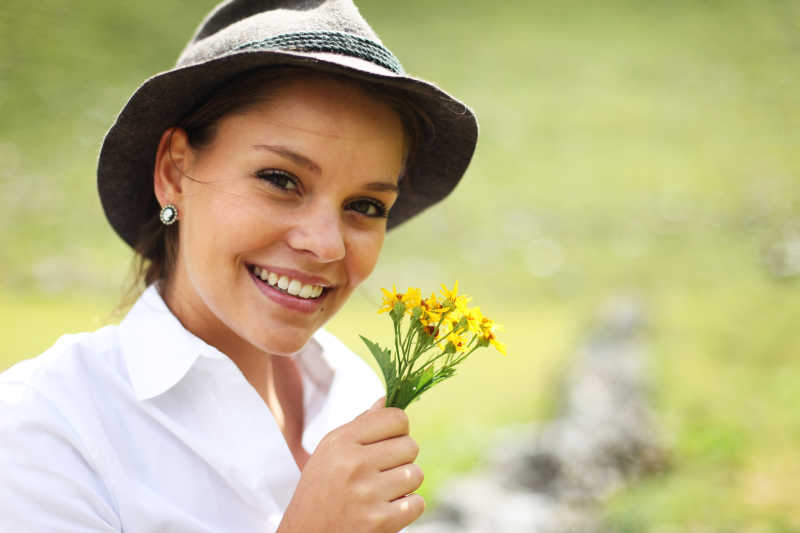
[[275, 378], [253, 363]]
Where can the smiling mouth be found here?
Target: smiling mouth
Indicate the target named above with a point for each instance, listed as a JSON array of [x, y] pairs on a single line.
[[287, 285]]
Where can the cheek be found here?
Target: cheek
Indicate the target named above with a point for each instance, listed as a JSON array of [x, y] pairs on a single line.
[[362, 255], [217, 230]]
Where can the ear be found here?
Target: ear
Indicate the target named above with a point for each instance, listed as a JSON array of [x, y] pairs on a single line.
[[173, 158]]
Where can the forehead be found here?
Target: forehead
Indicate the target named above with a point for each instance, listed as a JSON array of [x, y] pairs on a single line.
[[326, 107], [336, 124]]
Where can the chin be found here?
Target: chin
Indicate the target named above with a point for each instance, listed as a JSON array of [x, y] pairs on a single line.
[[285, 347]]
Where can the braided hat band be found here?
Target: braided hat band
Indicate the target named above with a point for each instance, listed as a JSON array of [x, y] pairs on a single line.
[[239, 36], [330, 42]]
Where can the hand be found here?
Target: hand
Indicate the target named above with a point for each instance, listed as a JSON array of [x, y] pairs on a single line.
[[360, 478]]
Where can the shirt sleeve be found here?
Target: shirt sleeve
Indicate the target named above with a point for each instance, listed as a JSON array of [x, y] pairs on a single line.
[[47, 479]]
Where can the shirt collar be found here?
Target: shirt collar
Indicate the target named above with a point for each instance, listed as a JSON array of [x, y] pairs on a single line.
[[158, 351]]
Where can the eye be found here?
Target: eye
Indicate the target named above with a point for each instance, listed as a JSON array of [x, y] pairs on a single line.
[[278, 178], [369, 207]]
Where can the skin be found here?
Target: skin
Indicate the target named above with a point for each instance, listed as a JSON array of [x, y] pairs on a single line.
[[295, 184]]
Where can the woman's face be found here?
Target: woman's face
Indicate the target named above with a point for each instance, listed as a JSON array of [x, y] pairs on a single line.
[[283, 215]]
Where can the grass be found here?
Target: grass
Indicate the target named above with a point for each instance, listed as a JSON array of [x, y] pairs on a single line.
[[639, 147], [33, 321], [37, 320]]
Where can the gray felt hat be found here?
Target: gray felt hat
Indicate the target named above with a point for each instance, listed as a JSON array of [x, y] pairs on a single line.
[[242, 35]]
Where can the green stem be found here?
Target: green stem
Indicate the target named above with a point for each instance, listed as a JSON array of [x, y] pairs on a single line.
[[437, 357], [397, 347], [423, 344], [411, 333], [420, 350], [410, 359], [466, 354], [450, 361]]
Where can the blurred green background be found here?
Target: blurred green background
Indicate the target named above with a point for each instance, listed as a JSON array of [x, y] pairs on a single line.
[[627, 147]]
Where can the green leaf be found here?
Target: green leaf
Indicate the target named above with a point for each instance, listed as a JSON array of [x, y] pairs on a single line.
[[384, 358], [443, 373], [425, 379], [411, 388], [405, 393]]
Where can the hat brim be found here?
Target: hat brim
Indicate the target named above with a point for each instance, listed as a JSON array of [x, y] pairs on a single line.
[[127, 157]]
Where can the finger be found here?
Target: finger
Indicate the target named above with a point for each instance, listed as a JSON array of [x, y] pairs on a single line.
[[380, 402], [380, 424], [405, 510], [377, 405], [389, 453], [401, 480]]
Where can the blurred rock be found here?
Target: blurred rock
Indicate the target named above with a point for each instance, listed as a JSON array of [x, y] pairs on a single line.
[[782, 259], [553, 478]]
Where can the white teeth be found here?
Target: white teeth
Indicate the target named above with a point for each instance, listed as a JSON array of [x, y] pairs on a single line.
[[291, 286], [306, 291], [294, 287]]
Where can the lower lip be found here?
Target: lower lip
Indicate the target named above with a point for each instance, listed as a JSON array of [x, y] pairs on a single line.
[[294, 303]]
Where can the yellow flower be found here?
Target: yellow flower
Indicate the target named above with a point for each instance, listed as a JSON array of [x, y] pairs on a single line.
[[486, 324], [457, 340], [490, 335], [432, 302], [433, 331], [499, 346], [453, 321], [458, 302], [474, 319], [448, 294], [411, 298], [389, 299], [431, 310]]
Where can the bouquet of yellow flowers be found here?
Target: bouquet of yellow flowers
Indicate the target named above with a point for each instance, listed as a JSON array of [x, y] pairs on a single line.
[[440, 334]]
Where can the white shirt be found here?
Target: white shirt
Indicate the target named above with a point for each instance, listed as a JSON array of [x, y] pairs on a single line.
[[143, 427]]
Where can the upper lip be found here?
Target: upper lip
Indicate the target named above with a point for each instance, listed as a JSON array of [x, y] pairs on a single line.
[[302, 277]]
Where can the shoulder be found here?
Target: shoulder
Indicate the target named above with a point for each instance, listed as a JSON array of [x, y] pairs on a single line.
[[70, 385], [62, 370], [47, 456]]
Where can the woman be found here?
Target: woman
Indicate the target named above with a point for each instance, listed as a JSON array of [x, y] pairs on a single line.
[[256, 181]]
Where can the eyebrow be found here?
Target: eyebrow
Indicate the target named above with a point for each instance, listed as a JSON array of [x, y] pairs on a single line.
[[378, 186], [382, 186], [292, 156]]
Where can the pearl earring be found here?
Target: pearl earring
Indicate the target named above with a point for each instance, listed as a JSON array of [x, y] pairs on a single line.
[[168, 215]]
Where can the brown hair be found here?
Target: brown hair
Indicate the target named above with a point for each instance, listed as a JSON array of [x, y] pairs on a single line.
[[156, 248]]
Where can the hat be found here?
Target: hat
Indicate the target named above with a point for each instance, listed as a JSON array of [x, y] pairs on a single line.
[[242, 35]]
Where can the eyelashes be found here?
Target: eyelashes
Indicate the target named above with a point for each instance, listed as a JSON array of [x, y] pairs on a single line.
[[279, 178], [286, 182], [369, 207]]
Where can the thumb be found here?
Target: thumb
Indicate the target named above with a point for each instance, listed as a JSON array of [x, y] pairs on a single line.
[[377, 405], [381, 402]]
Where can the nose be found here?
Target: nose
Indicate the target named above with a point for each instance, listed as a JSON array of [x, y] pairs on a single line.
[[318, 231]]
